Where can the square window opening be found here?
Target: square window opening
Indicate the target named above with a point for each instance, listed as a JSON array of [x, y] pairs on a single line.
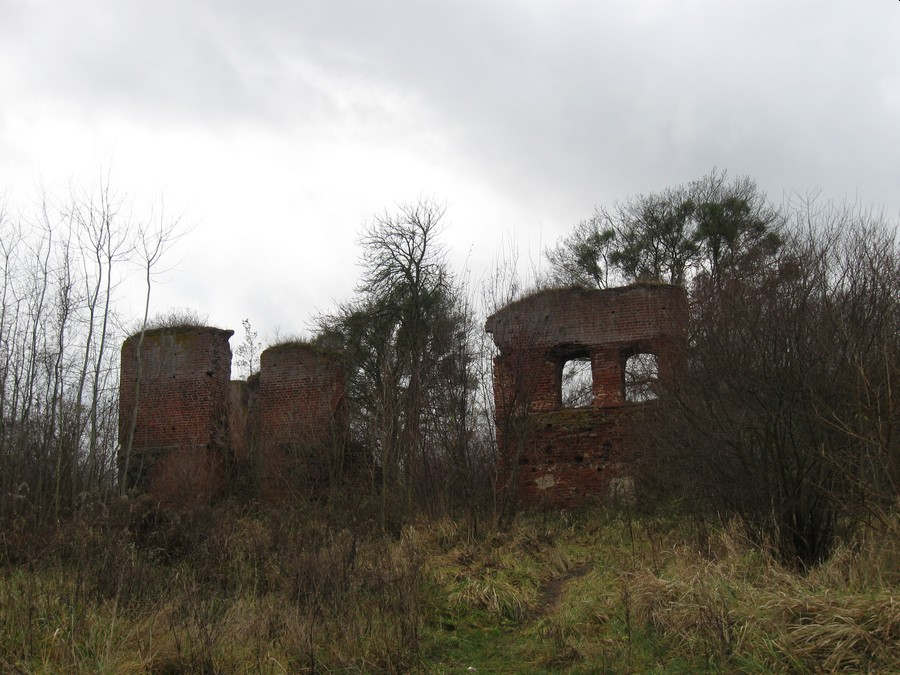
[[641, 378], [577, 383]]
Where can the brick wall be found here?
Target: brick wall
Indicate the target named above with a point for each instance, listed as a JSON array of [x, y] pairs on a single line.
[[241, 413], [193, 423], [559, 456], [181, 436], [301, 390]]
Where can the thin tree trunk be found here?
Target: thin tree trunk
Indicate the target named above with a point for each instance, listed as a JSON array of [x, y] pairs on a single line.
[[137, 385]]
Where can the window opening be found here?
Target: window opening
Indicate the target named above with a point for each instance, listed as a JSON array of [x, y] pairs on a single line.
[[577, 383], [641, 378]]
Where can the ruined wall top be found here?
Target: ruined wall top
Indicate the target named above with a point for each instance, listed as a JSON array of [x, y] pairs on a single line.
[[179, 332], [591, 317], [177, 353], [179, 411], [296, 358]]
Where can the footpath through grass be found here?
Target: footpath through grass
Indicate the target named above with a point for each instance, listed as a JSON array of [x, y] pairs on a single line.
[[604, 592], [237, 590]]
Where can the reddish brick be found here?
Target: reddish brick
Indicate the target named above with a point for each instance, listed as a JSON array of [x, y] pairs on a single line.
[[301, 392], [242, 395], [561, 456], [181, 432]]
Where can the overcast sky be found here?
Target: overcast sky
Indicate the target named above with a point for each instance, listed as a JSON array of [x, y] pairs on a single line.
[[277, 130]]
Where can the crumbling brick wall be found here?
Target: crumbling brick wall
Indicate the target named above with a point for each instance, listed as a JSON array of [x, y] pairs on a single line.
[[277, 434], [242, 410], [557, 455], [300, 415], [243, 427], [181, 433]]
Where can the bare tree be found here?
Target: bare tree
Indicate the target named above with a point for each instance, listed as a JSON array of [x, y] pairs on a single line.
[[407, 338], [153, 239], [248, 351]]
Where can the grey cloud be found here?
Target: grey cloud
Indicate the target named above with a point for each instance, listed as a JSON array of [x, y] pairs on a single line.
[[592, 100], [602, 99]]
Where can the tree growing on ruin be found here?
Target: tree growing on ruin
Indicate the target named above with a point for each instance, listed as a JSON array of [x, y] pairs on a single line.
[[670, 236], [786, 414], [584, 256], [248, 351]]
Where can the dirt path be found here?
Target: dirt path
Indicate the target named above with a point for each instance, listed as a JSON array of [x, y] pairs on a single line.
[[552, 590], [489, 648]]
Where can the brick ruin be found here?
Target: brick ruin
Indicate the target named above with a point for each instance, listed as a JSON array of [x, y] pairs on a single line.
[[282, 431], [181, 428], [556, 455], [299, 407], [197, 430]]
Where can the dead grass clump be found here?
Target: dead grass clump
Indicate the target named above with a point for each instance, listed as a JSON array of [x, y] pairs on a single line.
[[852, 632], [176, 319], [494, 594], [503, 574], [742, 604], [696, 612]]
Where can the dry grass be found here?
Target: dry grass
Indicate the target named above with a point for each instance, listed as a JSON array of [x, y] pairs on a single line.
[[504, 573], [842, 615], [233, 589], [274, 592]]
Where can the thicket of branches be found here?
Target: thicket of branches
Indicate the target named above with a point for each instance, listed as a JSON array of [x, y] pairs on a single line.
[[787, 415], [59, 347], [61, 266]]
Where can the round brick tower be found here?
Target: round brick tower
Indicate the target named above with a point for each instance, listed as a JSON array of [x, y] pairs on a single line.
[[180, 440], [301, 389]]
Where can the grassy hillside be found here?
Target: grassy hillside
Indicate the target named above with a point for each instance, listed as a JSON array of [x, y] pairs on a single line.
[[236, 588]]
